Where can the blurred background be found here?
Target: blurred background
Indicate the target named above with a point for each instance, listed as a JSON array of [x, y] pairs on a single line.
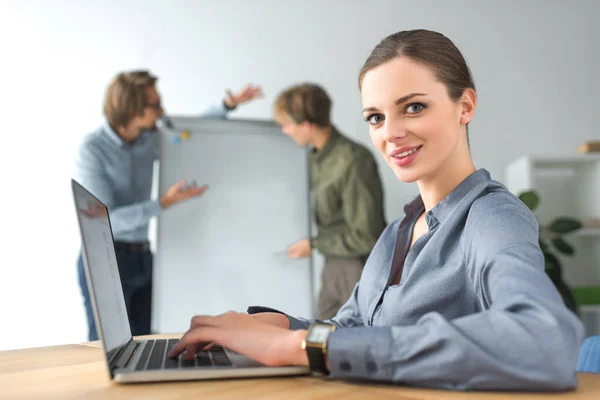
[[535, 65]]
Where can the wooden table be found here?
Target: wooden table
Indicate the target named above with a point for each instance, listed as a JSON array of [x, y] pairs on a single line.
[[78, 371]]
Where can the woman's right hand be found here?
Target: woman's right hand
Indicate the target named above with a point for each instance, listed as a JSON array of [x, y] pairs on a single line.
[[245, 334], [272, 318], [269, 318]]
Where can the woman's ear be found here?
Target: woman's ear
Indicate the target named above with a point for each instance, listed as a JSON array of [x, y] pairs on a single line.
[[468, 102]]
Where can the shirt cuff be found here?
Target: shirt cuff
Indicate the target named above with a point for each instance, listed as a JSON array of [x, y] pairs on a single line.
[[297, 324], [355, 353], [317, 243], [153, 208]]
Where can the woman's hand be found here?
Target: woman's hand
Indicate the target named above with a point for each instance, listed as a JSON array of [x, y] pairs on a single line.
[[273, 318], [245, 334]]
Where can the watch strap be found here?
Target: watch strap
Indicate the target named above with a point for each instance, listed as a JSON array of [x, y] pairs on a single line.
[[316, 360]]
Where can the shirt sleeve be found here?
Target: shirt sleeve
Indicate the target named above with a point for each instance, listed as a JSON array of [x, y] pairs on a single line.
[[347, 316], [525, 339], [217, 111], [90, 173], [362, 200]]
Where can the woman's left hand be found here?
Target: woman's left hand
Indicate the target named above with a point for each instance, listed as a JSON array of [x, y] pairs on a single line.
[[265, 343]]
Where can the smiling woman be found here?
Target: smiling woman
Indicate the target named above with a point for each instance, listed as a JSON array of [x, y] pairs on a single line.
[[454, 294]]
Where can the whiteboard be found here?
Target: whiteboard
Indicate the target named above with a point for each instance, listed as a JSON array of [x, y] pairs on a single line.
[[226, 250]]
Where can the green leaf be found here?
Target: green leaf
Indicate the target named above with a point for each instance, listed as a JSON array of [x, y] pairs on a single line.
[[543, 246], [553, 272], [562, 246], [552, 266], [551, 258], [564, 225], [531, 199]]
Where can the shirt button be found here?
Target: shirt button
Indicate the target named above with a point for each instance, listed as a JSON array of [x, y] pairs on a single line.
[[345, 366]]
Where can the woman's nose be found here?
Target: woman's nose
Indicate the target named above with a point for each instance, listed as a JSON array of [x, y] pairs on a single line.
[[393, 130]]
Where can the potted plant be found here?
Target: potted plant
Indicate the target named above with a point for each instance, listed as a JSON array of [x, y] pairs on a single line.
[[552, 241]]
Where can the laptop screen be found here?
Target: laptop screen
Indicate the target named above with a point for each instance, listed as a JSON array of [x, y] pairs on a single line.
[[103, 273]]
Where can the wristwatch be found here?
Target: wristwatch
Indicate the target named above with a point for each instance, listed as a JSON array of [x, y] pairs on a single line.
[[315, 345], [227, 107]]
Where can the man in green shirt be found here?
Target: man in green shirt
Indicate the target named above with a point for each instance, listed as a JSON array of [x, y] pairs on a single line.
[[348, 196]]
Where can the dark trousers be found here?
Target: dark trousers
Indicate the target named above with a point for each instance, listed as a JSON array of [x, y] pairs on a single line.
[[135, 270]]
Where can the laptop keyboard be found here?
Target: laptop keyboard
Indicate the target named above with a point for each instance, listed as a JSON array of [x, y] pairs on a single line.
[[155, 357]]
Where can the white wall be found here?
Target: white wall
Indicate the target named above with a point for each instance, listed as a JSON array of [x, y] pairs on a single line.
[[535, 65]]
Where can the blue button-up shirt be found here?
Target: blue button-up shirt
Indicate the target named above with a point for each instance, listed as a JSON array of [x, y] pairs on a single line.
[[120, 175], [474, 308]]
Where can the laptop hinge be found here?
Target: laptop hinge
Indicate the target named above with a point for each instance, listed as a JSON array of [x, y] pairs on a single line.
[[123, 355]]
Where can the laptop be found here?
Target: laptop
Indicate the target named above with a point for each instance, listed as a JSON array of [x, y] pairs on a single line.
[[130, 360]]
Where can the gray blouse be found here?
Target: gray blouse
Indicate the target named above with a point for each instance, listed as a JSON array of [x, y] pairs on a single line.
[[474, 308]]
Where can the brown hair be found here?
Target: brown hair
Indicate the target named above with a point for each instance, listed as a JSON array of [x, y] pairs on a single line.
[[428, 48], [305, 102], [126, 97]]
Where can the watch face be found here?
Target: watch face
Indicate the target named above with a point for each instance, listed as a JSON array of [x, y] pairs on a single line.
[[318, 333]]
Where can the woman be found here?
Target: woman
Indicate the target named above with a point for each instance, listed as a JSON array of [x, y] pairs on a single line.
[[453, 295]]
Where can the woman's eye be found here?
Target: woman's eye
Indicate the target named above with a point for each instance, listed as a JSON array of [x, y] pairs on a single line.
[[415, 108], [374, 119]]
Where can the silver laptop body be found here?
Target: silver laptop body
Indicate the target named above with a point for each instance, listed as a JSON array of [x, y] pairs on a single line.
[[130, 360]]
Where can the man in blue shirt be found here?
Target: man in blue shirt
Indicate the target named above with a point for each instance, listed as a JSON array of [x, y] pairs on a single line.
[[115, 163]]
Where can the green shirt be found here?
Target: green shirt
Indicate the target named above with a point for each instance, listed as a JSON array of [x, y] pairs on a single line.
[[348, 198]]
